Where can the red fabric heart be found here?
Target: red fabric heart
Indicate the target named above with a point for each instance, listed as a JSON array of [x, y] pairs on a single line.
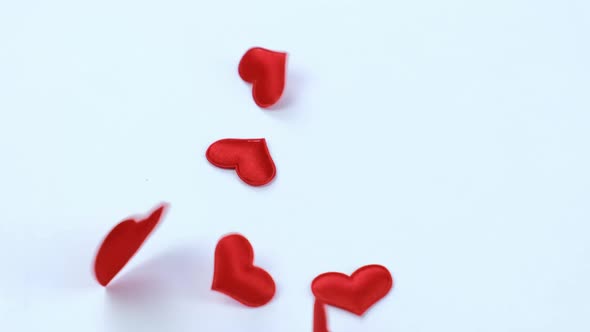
[[266, 70], [122, 242], [236, 276], [357, 293], [320, 321], [249, 157]]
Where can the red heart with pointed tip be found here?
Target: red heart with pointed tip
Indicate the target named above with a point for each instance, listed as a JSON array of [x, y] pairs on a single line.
[[265, 69], [236, 276], [122, 242], [357, 293], [249, 157]]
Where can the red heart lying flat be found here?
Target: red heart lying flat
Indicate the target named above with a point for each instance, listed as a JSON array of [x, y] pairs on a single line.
[[249, 157], [265, 69], [357, 293], [236, 276], [122, 243]]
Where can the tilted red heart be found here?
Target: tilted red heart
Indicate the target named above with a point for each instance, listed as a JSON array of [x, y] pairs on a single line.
[[357, 293], [266, 70], [236, 276], [249, 157], [122, 242]]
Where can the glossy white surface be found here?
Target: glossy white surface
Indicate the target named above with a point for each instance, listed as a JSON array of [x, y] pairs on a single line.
[[447, 140]]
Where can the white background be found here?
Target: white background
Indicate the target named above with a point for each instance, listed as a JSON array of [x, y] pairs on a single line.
[[447, 140]]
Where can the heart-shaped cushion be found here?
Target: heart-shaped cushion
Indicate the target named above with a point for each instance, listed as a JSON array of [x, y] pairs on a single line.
[[122, 242], [236, 275], [249, 157], [357, 293], [266, 71]]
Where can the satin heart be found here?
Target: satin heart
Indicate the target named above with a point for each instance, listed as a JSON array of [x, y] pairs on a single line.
[[249, 157], [122, 242], [320, 321], [236, 276], [266, 70], [357, 293]]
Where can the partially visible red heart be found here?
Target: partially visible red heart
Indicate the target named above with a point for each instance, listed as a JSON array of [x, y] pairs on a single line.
[[357, 293], [122, 243], [236, 276], [249, 157], [266, 70], [320, 321]]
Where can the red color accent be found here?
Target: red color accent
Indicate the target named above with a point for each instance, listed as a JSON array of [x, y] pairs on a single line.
[[357, 293], [249, 157], [266, 70], [236, 276], [320, 322], [122, 242]]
